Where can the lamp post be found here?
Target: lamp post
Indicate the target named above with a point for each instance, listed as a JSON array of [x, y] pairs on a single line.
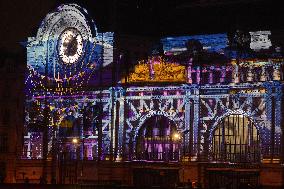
[[177, 136], [75, 143], [83, 153], [184, 150], [184, 132]]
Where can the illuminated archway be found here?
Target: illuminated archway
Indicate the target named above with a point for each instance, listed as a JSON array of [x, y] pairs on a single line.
[[158, 140], [235, 139]]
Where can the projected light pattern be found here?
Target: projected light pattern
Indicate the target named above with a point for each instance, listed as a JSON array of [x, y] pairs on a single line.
[[157, 69], [56, 64], [211, 42], [57, 98], [169, 107], [61, 78]]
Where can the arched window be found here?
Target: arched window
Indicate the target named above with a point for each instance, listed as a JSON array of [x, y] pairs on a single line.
[[158, 140], [236, 139]]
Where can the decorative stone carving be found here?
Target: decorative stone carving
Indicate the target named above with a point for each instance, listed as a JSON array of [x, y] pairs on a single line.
[[161, 70]]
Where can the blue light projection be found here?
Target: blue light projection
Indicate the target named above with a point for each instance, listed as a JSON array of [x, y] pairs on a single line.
[[211, 42], [56, 90]]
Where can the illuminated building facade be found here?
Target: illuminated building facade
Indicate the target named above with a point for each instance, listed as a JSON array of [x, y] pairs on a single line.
[[197, 110]]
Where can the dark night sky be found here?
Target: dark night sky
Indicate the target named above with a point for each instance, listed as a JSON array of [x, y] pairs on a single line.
[[21, 19]]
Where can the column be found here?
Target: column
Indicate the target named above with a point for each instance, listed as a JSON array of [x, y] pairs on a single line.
[[276, 72], [211, 69], [277, 110], [178, 100], [189, 78], [198, 74], [223, 74], [187, 131], [121, 104], [236, 78], [113, 123], [267, 138], [81, 134], [282, 122], [250, 74], [263, 74], [195, 124]]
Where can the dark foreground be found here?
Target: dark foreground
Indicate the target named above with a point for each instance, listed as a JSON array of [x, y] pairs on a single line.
[[79, 186]]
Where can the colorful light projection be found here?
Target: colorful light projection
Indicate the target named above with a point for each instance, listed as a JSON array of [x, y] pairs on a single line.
[[195, 106], [211, 42], [260, 40], [59, 102], [48, 71], [157, 69], [66, 118], [70, 78], [240, 87], [239, 44], [202, 106], [158, 140]]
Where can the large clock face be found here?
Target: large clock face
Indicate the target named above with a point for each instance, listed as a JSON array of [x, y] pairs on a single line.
[[70, 46]]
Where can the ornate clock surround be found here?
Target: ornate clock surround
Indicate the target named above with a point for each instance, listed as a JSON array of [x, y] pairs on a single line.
[[43, 54]]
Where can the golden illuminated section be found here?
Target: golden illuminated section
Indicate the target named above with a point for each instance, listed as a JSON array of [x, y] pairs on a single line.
[[141, 73], [169, 72], [236, 139], [248, 91], [157, 70]]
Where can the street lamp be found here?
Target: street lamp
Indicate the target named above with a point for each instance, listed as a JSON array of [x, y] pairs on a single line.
[[176, 136], [84, 155], [75, 141]]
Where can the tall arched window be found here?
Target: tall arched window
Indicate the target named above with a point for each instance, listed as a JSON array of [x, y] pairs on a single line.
[[236, 139], [157, 140]]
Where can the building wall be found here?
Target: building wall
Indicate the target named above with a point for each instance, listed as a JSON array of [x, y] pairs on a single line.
[[195, 105]]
